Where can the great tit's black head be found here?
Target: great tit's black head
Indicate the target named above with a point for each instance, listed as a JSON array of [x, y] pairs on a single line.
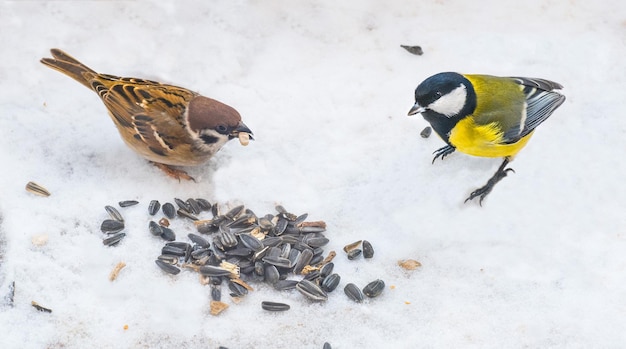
[[448, 94]]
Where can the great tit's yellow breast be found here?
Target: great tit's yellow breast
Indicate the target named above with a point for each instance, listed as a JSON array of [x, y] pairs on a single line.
[[483, 140]]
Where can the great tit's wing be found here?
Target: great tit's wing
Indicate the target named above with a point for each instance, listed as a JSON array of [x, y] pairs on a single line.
[[541, 101]]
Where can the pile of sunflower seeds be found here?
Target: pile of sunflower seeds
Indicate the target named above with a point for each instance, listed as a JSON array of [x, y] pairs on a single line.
[[282, 249]]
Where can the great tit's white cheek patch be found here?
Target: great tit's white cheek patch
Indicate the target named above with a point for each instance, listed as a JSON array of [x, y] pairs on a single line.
[[451, 103]]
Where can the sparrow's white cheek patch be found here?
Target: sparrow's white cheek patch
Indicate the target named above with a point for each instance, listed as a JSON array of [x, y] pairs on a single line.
[[244, 138], [450, 104]]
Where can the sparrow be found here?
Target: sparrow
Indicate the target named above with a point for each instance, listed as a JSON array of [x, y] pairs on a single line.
[[168, 125]]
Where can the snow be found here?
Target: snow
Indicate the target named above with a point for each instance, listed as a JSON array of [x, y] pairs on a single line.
[[325, 87]]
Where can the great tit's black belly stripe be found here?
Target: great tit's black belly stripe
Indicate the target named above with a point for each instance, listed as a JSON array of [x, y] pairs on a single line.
[[440, 123]]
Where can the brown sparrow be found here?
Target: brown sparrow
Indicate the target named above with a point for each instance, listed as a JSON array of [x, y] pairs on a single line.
[[168, 125]]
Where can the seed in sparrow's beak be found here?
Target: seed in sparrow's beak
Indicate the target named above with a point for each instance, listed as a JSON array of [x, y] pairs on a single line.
[[244, 138]]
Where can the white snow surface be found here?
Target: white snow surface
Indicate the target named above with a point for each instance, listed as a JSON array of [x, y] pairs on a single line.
[[326, 88]]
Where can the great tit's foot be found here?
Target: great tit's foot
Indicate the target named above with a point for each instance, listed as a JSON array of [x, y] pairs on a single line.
[[443, 152], [174, 173], [483, 191]]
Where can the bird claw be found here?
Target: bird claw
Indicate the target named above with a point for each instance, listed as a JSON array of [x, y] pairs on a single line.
[[174, 173], [443, 152], [483, 191]]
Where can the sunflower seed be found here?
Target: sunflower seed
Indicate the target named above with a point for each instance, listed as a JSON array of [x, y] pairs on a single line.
[[271, 274], [237, 289], [205, 205], [316, 241], [251, 242], [216, 292], [199, 240], [353, 292], [155, 229], [311, 290], [111, 226], [193, 206], [281, 226], [184, 213], [303, 259], [154, 207], [426, 132], [374, 288], [169, 210], [330, 282], [234, 212], [113, 239], [169, 258], [173, 250], [282, 285], [353, 254], [368, 250], [327, 346], [327, 269], [37, 189], [228, 239], [167, 234], [114, 213], [128, 203], [210, 270], [273, 306], [279, 262], [166, 267], [310, 230]]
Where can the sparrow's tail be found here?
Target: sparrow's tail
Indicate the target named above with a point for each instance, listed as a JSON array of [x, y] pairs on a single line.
[[70, 66]]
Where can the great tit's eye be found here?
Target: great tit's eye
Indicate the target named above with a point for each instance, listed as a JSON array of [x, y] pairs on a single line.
[[438, 94], [222, 129]]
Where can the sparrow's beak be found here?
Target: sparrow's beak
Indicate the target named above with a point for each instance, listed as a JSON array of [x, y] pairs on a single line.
[[243, 133], [416, 109]]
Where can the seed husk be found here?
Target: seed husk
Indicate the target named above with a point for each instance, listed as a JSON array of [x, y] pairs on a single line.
[[409, 264], [169, 210], [353, 292], [154, 207], [374, 288], [237, 289], [116, 271], [244, 138], [127, 203], [113, 239], [37, 189], [274, 306], [164, 222], [368, 250], [114, 213], [413, 49], [111, 226], [40, 308], [349, 247], [217, 307]]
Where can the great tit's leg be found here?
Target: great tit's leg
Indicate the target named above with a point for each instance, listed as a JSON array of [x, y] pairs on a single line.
[[486, 189], [443, 152], [174, 173]]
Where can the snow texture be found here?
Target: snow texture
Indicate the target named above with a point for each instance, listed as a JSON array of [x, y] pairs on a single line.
[[326, 88]]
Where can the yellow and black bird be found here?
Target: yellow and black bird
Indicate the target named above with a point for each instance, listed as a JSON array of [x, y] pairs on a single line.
[[484, 115]]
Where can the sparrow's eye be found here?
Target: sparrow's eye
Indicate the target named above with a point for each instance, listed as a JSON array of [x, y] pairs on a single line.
[[222, 129]]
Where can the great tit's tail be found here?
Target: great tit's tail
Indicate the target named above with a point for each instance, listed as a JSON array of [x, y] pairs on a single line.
[[70, 66]]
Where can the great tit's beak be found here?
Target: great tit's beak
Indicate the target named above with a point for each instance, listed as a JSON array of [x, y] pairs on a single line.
[[416, 109]]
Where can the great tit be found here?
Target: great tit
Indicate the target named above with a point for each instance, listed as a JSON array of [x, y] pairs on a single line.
[[485, 115]]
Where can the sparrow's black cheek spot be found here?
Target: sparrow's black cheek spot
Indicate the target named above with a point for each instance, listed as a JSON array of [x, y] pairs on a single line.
[[209, 139]]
